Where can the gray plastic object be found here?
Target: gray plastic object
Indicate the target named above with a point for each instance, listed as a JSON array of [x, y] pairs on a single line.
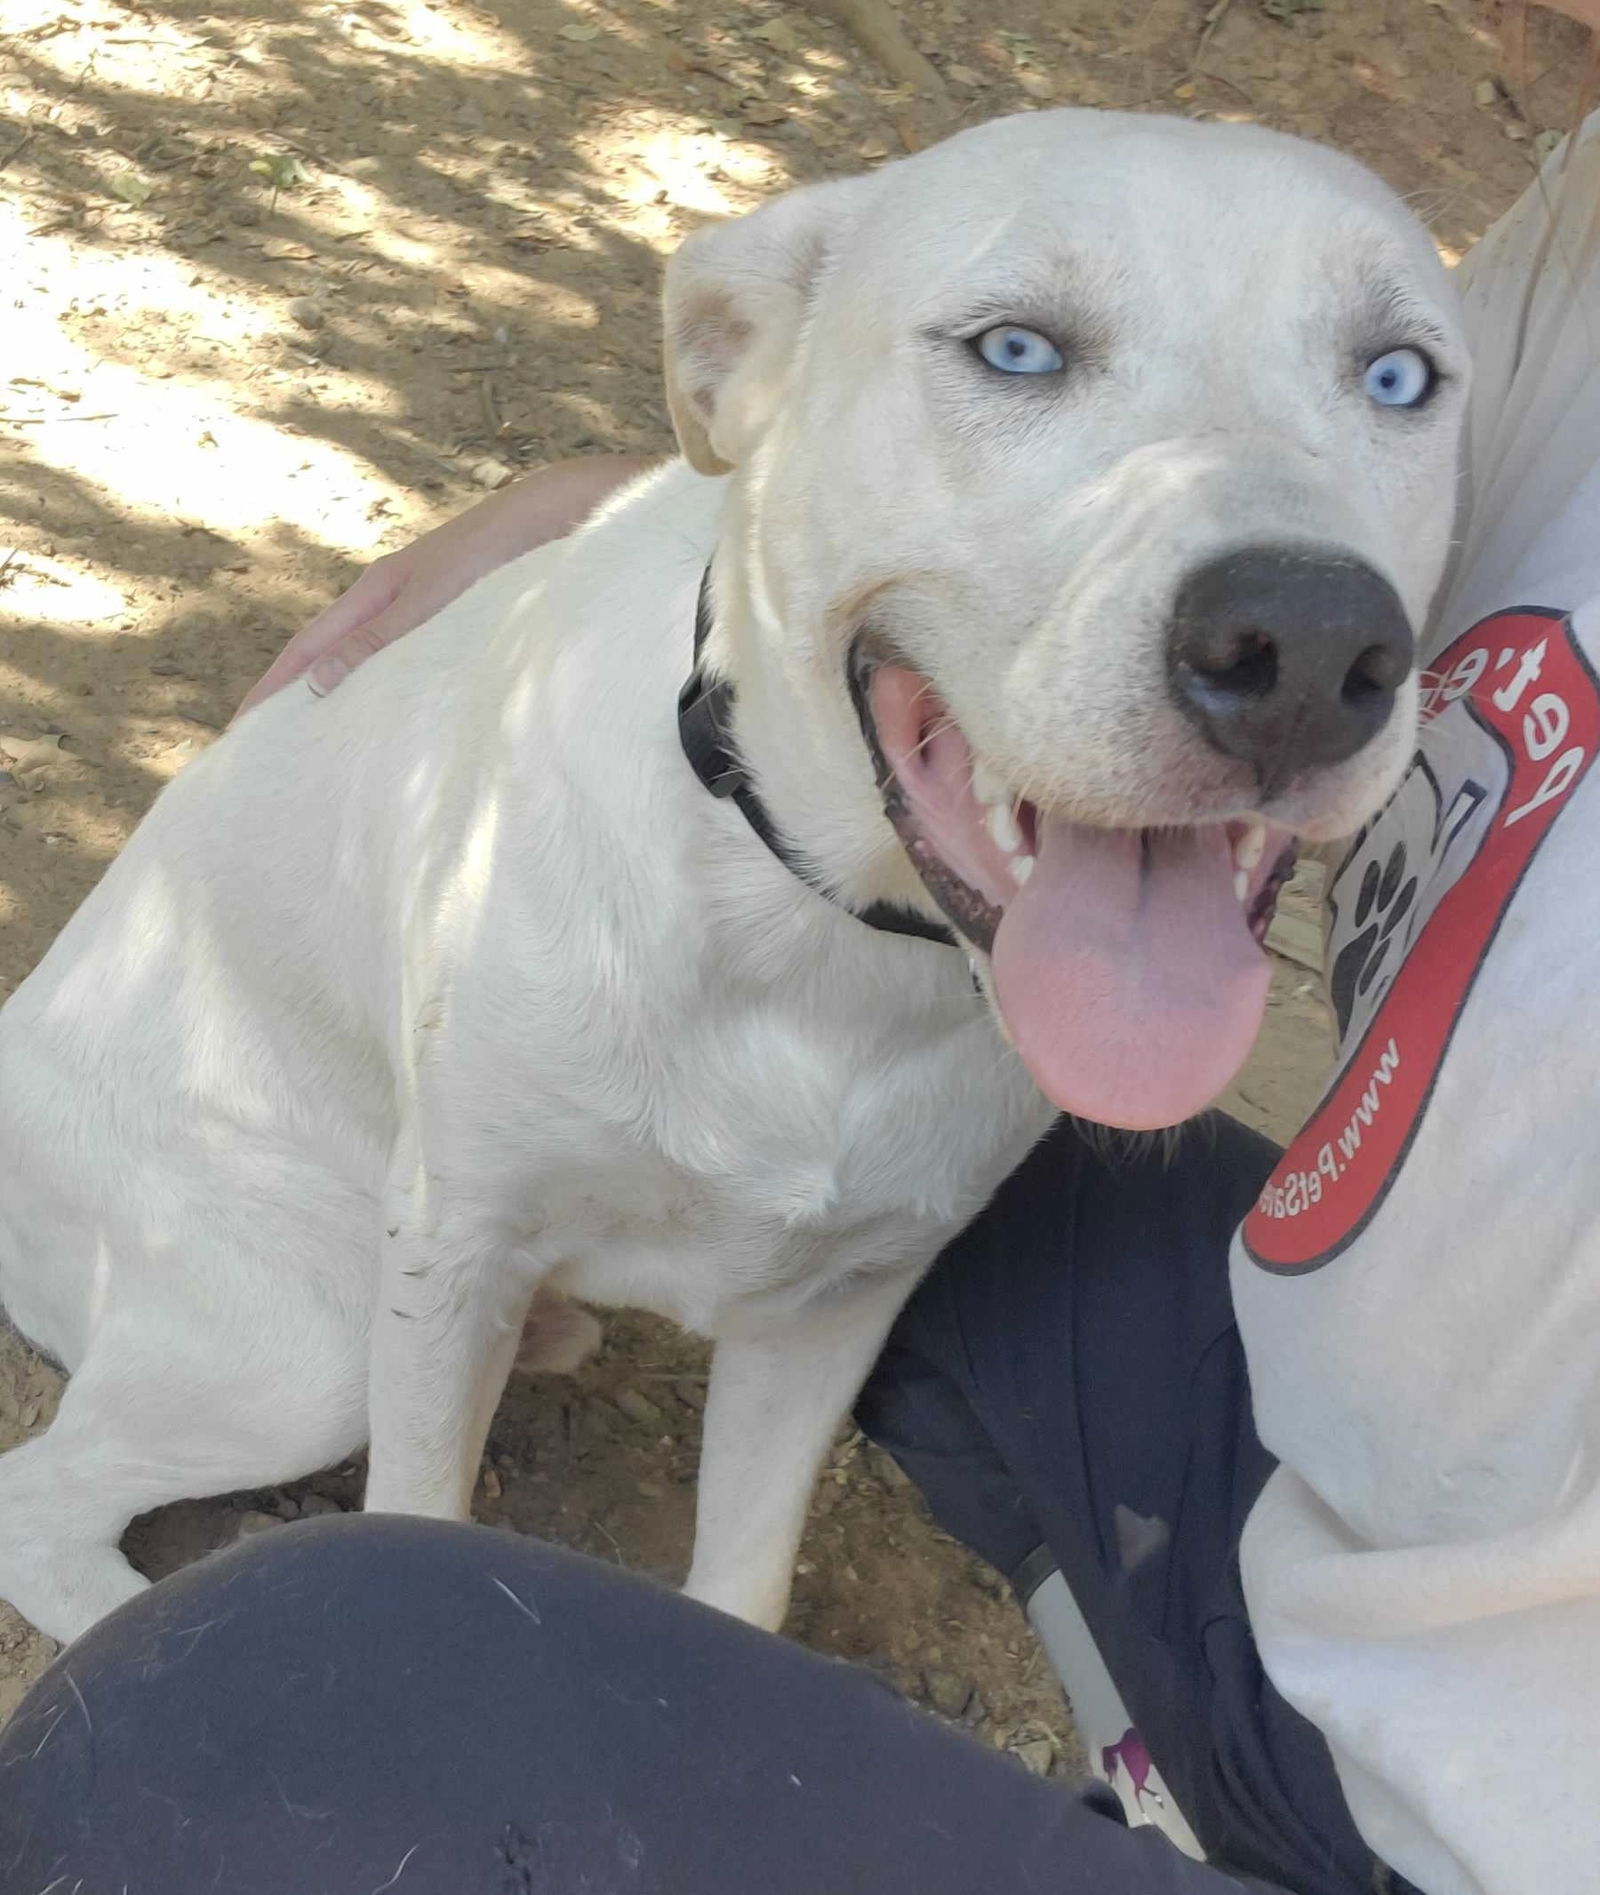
[[1113, 1748]]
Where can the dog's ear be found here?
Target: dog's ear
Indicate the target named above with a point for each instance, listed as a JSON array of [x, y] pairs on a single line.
[[736, 295]]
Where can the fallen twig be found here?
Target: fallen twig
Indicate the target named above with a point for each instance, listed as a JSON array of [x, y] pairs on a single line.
[[20, 146], [877, 26], [71, 93], [49, 421], [1214, 18]]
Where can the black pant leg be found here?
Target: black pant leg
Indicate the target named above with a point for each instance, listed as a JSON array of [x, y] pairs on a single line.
[[356, 1705], [1069, 1375]]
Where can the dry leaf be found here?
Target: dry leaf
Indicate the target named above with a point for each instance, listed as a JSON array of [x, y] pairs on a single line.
[[26, 750], [279, 169], [131, 188]]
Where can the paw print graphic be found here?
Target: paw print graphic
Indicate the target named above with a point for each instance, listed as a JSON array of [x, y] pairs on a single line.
[[1384, 898], [1374, 897], [1397, 871]]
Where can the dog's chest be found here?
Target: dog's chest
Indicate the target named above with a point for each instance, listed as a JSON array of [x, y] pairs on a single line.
[[777, 1157]]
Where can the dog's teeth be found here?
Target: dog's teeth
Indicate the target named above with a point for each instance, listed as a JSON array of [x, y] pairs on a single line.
[[1250, 847], [986, 787], [1003, 828], [1247, 854], [1021, 867]]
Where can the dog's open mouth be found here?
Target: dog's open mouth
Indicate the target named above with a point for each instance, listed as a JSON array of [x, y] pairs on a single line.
[[1127, 964]]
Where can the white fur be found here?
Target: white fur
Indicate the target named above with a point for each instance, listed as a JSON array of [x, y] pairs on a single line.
[[456, 986]]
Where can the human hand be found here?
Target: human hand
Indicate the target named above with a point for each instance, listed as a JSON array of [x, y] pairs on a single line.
[[404, 589]]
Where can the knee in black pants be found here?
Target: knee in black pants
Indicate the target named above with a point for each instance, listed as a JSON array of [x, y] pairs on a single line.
[[368, 1703]]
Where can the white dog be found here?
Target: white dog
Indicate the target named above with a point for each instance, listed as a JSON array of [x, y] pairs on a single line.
[[1085, 478]]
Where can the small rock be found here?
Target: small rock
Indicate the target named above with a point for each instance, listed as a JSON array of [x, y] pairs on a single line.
[[964, 76], [1037, 85], [19, 747], [1486, 92], [638, 1408], [314, 1505], [948, 1693], [778, 34], [306, 313], [491, 1484], [1037, 1756], [255, 1522], [284, 1506], [650, 1489], [30, 1415], [491, 474], [691, 1394]]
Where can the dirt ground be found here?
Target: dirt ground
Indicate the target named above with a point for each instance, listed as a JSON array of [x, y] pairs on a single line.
[[283, 282]]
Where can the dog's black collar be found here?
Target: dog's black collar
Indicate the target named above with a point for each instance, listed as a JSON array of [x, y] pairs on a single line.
[[705, 727]]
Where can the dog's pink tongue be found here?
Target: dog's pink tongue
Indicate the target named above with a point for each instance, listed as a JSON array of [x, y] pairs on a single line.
[[1126, 974]]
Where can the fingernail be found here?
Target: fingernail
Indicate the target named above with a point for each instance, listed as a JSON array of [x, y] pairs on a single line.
[[325, 674]]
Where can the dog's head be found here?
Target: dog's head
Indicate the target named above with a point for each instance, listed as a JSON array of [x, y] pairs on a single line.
[[1093, 474]]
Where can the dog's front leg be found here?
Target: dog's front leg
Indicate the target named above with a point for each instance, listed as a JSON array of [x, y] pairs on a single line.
[[444, 1336], [779, 1389]]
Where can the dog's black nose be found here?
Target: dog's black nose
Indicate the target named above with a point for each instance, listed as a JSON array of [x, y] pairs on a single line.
[[1287, 659]]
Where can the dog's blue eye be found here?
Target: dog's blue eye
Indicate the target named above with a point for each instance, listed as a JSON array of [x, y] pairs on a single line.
[[1399, 379], [1017, 351]]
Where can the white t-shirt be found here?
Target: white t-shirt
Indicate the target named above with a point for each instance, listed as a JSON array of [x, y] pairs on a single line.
[[1419, 1287]]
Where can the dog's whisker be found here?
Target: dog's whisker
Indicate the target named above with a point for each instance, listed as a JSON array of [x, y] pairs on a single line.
[[929, 737]]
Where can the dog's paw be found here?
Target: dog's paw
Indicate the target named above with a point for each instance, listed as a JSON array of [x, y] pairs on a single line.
[[558, 1337]]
